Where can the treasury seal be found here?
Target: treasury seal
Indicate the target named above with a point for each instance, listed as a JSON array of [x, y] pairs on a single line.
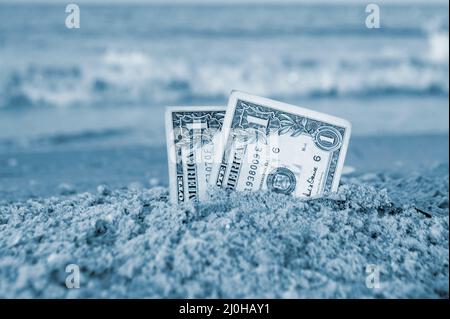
[[281, 180]]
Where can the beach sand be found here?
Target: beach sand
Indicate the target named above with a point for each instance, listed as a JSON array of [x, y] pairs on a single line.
[[106, 210]]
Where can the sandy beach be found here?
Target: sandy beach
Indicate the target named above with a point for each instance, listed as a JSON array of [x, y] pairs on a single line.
[[110, 215]]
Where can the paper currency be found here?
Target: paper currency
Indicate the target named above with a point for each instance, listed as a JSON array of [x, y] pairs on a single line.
[[269, 145], [192, 133]]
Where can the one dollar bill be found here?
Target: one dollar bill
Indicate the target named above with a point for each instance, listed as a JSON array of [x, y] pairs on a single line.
[[192, 133], [269, 145]]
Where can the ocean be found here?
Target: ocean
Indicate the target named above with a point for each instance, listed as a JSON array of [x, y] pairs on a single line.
[[113, 76]]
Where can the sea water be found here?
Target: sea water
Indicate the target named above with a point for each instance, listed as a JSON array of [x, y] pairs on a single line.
[[111, 78]]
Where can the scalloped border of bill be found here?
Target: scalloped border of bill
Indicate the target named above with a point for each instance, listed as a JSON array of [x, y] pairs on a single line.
[[236, 95]]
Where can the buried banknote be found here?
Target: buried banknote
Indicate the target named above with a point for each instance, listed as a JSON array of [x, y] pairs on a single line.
[[269, 145], [192, 133]]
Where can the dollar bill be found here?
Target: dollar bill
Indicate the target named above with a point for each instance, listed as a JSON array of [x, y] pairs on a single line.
[[269, 145], [191, 134]]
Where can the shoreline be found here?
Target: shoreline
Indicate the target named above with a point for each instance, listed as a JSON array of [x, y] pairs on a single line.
[[68, 170]]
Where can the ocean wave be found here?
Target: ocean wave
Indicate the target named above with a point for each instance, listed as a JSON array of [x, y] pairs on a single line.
[[127, 78], [82, 136], [266, 32], [439, 47], [58, 138]]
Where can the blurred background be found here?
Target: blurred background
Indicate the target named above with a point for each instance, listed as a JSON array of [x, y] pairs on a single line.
[[68, 93]]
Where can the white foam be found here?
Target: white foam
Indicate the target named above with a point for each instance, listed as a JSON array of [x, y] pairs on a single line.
[[438, 47]]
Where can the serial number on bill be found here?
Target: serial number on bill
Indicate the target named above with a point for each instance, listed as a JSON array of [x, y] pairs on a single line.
[[227, 309]]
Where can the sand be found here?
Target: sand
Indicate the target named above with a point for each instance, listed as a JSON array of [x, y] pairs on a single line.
[[130, 242]]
